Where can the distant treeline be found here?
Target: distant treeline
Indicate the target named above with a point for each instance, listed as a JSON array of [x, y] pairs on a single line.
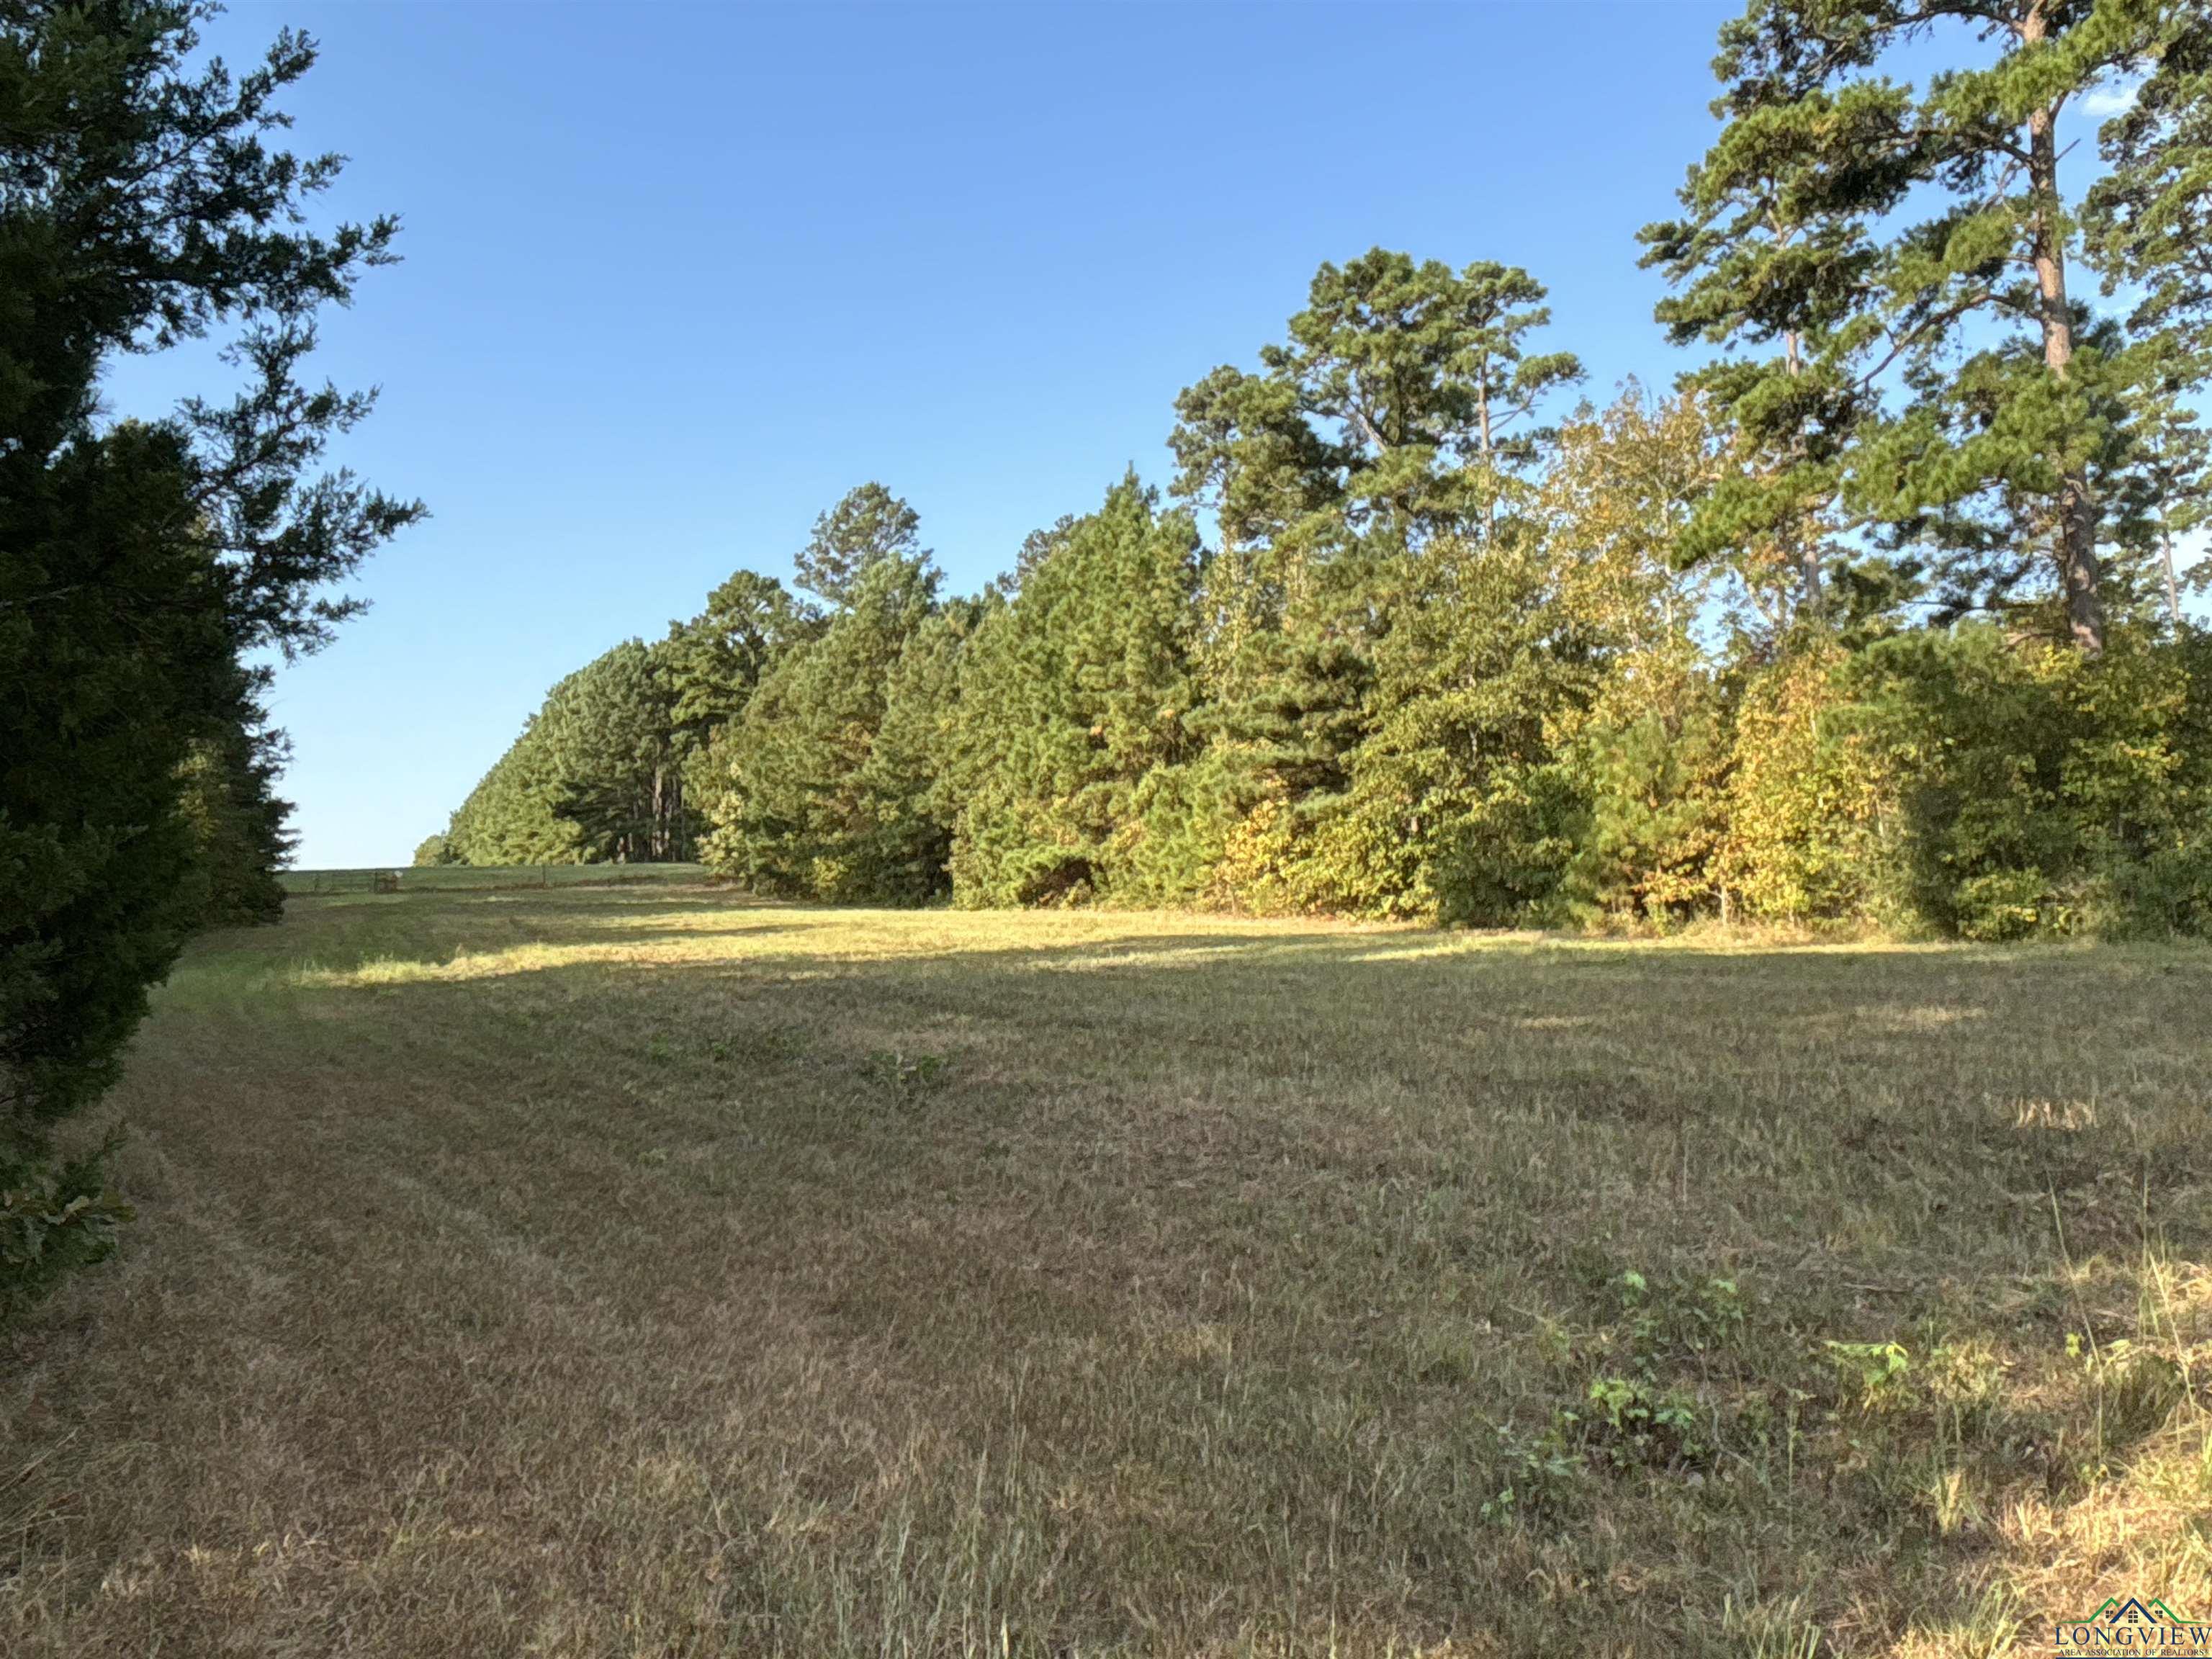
[[1404, 681], [1878, 618], [1529, 714]]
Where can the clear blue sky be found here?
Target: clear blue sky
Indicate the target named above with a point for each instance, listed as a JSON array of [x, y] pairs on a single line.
[[677, 276]]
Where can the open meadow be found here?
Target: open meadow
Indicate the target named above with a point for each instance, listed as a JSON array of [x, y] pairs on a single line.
[[643, 1270]]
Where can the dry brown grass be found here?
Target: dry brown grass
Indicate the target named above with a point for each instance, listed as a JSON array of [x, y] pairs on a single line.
[[647, 1271]]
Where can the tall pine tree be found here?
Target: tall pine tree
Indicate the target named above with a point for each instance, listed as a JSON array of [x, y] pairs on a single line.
[[1864, 226], [1397, 418], [793, 811], [1075, 704]]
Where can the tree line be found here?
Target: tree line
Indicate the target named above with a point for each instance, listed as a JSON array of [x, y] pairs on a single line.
[[1876, 618]]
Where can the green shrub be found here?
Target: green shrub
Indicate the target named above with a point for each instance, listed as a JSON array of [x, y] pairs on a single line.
[[1978, 785], [1652, 761], [53, 1217], [1632, 1422], [1812, 813]]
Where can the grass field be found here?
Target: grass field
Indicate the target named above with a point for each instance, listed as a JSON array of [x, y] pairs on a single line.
[[643, 1271]]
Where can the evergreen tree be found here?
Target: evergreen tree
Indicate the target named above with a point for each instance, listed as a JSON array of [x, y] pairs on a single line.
[[141, 205], [1397, 380], [868, 526], [1074, 701], [2169, 499], [611, 736], [908, 789], [592, 779], [711, 665], [1774, 254], [1036, 546], [238, 822], [2150, 217], [1800, 231], [613, 765], [792, 813], [2149, 220], [1384, 427], [512, 815], [714, 662]]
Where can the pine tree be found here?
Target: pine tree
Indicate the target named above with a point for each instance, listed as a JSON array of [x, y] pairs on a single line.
[[2149, 218], [1074, 703], [2169, 488], [1774, 253], [238, 823], [511, 817], [610, 736], [868, 526], [909, 793], [1399, 417], [616, 762], [2149, 222], [714, 662], [594, 777], [792, 813], [1800, 230]]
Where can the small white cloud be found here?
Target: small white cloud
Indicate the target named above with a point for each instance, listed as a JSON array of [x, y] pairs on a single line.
[[2104, 102]]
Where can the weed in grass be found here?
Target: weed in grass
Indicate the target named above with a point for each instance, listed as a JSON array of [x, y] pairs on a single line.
[[1543, 1474], [2134, 1391], [907, 1081], [1772, 1630], [1631, 1422], [1878, 1375]]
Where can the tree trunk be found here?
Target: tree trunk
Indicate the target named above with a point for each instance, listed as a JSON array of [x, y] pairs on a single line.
[[2076, 547], [2172, 579], [1810, 601], [1489, 470], [1804, 552]]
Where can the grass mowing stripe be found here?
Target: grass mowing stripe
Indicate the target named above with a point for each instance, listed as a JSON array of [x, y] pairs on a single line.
[[620, 1270]]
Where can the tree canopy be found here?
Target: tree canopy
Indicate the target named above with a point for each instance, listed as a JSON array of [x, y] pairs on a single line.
[[1417, 636]]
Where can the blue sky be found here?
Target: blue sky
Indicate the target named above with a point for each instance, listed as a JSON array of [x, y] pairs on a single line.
[[676, 276]]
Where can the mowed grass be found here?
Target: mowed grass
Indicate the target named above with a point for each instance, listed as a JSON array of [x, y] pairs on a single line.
[[460, 877], [650, 1272]]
